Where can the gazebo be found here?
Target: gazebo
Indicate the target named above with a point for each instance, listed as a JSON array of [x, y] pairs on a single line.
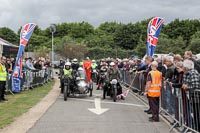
[[8, 49]]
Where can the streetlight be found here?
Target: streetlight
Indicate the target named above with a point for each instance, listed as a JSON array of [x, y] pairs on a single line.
[[52, 30]]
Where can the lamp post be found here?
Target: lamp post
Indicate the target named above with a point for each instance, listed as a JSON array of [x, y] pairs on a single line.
[[52, 30]]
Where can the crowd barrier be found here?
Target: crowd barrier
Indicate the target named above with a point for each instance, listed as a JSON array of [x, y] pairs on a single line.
[[31, 78], [180, 107]]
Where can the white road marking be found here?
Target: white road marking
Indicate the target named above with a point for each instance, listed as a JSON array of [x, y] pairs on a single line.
[[98, 110], [117, 103]]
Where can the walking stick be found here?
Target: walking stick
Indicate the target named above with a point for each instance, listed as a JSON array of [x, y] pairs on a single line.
[[132, 81]]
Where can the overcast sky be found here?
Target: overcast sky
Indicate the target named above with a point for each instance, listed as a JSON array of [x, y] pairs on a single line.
[[14, 13]]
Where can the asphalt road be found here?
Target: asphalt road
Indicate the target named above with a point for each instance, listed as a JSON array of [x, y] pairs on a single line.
[[74, 116]]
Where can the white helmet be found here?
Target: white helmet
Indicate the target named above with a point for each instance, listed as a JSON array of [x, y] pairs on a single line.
[[93, 61], [75, 60], [112, 64], [80, 69], [67, 64]]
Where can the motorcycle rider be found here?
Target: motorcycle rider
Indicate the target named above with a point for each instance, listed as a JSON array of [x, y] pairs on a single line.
[[103, 70], [94, 68], [75, 64], [87, 66], [66, 71], [113, 73], [94, 64], [102, 61], [61, 67]]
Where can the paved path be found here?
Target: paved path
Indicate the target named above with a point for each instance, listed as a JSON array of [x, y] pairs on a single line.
[[73, 116]]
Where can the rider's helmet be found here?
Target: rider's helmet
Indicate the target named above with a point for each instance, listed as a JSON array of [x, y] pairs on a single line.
[[67, 65], [112, 64], [80, 69], [93, 61], [75, 61]]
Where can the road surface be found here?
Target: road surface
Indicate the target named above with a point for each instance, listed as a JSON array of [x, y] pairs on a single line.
[[84, 114]]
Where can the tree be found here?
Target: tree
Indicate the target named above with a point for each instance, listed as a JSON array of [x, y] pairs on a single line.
[[141, 48], [80, 30], [70, 48], [166, 45], [127, 36], [184, 28], [36, 41], [109, 27], [100, 38], [9, 35], [194, 45]]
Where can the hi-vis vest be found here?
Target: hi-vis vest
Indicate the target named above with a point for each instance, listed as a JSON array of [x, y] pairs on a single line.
[[68, 72], [94, 65], [3, 73], [156, 83]]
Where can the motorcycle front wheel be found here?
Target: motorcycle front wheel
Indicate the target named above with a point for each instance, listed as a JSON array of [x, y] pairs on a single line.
[[65, 93], [114, 94]]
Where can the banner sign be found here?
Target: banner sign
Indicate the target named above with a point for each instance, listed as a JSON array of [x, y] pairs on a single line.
[[25, 35], [153, 31]]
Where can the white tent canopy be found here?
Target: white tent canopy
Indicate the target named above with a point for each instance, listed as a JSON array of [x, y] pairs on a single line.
[[7, 48], [4, 42]]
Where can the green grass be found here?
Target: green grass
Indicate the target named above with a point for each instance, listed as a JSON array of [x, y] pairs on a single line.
[[21, 103]]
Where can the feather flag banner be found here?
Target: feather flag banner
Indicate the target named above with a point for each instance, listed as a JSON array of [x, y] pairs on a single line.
[[153, 31], [25, 35]]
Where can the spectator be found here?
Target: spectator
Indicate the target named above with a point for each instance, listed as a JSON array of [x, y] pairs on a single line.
[[3, 75], [139, 64], [29, 67], [177, 58], [188, 55], [191, 82], [29, 64], [169, 96], [177, 83], [9, 66], [170, 68], [48, 62], [38, 65], [13, 62], [153, 90], [146, 69], [120, 64], [147, 66]]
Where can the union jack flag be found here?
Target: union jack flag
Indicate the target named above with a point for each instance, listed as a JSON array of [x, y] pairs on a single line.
[[153, 32], [25, 35]]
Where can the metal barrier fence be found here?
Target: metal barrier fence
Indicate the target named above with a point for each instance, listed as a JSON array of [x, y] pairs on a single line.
[[31, 79], [180, 107]]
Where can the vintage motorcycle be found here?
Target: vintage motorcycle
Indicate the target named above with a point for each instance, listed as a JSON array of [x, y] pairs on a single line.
[[111, 90], [94, 75], [102, 79], [67, 86], [78, 85]]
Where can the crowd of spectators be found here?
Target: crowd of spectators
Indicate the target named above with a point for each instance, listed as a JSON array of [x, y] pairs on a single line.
[[178, 71]]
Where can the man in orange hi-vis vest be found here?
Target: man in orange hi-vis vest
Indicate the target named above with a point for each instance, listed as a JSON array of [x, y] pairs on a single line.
[[87, 66], [153, 90]]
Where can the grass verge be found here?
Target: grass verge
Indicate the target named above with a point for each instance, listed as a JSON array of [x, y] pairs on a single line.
[[21, 103]]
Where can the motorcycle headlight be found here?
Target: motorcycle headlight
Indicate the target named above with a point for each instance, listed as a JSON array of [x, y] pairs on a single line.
[[114, 81], [82, 84]]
